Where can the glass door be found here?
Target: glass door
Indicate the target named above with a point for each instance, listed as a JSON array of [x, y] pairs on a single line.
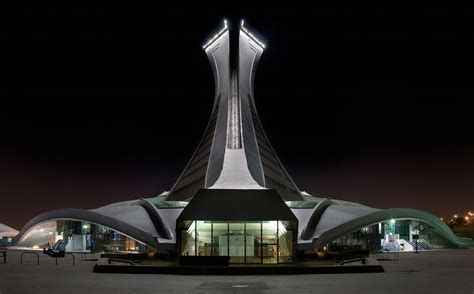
[[237, 242], [269, 242], [253, 245], [220, 238]]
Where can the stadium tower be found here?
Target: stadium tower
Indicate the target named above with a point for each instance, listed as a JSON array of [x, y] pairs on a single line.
[[234, 152]]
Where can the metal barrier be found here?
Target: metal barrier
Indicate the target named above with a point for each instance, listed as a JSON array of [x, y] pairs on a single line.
[[85, 254], [67, 253], [387, 256], [32, 253], [4, 255]]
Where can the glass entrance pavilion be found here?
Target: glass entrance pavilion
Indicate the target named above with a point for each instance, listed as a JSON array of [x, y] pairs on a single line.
[[249, 226], [257, 242]]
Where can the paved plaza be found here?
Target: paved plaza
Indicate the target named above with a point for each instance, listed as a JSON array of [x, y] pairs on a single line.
[[443, 271]]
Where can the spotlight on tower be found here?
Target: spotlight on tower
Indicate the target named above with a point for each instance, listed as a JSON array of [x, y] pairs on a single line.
[[250, 35]]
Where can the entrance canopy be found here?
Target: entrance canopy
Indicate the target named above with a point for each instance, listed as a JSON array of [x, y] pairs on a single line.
[[237, 205]]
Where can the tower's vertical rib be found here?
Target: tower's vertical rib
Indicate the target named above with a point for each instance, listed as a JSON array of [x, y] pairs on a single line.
[[249, 55], [262, 160], [206, 163]]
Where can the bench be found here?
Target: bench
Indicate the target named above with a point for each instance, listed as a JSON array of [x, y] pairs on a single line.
[[363, 260], [59, 251], [204, 260], [348, 254]]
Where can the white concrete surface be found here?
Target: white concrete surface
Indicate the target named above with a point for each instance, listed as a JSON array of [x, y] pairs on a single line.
[[235, 173]]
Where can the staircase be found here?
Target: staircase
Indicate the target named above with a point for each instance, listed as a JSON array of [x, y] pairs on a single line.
[[422, 245]]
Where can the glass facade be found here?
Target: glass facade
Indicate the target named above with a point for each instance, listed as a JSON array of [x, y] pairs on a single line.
[[80, 237], [391, 235], [259, 242]]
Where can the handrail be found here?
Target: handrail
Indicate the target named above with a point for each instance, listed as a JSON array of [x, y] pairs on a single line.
[[33, 253]]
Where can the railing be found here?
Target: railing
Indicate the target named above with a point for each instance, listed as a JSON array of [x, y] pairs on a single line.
[[421, 244], [31, 253], [3, 253], [85, 254], [387, 256], [38, 259]]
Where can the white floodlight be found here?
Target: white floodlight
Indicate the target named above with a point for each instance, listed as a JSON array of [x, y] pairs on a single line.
[[216, 36], [252, 37]]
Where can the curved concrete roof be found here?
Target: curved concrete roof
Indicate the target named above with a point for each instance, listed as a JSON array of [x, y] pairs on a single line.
[[134, 215], [92, 217], [336, 215], [158, 221], [344, 226], [6, 231], [328, 220], [5, 228], [316, 214]]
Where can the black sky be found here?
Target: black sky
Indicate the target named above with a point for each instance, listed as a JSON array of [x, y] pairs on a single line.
[[108, 104]]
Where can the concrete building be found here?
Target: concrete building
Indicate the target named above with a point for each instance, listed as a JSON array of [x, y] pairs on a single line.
[[234, 197]]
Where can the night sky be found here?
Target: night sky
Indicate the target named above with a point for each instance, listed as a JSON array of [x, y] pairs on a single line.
[[108, 104]]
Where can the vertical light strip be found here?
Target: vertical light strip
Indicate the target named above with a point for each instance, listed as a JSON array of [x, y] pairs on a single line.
[[228, 240], [212, 238], [245, 242], [278, 242], [195, 238], [234, 140]]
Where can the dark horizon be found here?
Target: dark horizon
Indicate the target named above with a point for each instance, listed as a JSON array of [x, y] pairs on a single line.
[[108, 104]]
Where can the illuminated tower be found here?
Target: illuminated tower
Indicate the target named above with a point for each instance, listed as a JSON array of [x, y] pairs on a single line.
[[234, 152]]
